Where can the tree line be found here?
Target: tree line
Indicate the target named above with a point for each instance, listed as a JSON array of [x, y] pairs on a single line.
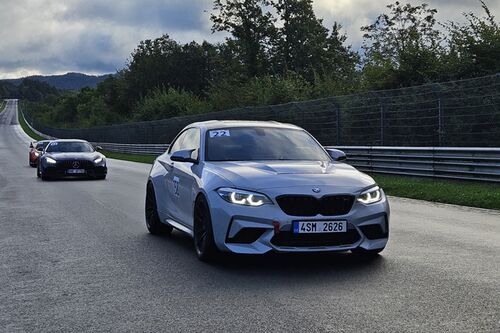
[[279, 51], [32, 90]]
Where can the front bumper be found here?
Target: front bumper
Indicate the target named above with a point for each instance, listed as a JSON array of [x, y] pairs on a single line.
[[257, 230], [62, 172]]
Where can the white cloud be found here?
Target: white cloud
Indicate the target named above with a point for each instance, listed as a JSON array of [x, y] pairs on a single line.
[[97, 36], [353, 14]]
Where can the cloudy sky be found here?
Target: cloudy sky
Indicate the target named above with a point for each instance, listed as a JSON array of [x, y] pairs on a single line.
[[97, 36]]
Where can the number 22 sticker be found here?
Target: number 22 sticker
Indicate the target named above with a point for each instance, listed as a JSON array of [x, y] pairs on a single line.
[[219, 133]]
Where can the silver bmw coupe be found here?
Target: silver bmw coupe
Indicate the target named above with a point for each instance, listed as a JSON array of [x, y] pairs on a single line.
[[253, 187]]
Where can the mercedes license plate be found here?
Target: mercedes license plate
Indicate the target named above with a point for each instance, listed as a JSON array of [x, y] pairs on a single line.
[[75, 171]]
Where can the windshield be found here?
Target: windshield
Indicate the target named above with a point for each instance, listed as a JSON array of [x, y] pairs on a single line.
[[70, 147], [262, 143], [42, 144]]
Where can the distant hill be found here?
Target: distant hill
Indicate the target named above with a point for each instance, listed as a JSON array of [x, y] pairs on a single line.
[[68, 81]]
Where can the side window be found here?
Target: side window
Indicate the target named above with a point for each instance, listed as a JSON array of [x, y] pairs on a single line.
[[192, 139], [176, 145], [189, 139]]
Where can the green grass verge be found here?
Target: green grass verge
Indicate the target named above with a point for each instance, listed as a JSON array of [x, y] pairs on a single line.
[[465, 193], [130, 157], [27, 129]]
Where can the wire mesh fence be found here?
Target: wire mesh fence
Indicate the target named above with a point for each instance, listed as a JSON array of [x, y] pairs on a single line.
[[463, 113]]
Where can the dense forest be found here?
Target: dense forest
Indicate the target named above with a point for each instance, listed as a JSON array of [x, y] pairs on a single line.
[[280, 51], [68, 81], [31, 90]]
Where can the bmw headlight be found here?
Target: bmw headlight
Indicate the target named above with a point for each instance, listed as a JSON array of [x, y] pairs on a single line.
[[370, 196], [242, 197], [50, 160], [98, 160]]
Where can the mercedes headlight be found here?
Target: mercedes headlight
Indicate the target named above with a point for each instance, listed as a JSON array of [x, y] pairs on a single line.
[[98, 160], [242, 197], [370, 196], [50, 160]]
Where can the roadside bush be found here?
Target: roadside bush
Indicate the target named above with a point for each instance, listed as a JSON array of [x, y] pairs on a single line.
[[163, 103], [95, 112], [266, 90]]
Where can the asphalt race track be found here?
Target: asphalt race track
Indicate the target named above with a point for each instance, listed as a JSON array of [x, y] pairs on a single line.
[[76, 256]]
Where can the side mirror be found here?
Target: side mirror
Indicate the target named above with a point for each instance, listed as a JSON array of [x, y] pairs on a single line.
[[98, 148], [184, 156], [31, 145], [337, 155]]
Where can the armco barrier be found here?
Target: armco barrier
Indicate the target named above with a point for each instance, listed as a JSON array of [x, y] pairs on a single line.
[[440, 162], [142, 149]]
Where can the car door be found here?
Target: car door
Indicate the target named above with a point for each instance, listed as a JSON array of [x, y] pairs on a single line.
[[167, 190], [185, 175]]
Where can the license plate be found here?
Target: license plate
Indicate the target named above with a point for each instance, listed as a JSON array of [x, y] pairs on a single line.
[[75, 171], [316, 227]]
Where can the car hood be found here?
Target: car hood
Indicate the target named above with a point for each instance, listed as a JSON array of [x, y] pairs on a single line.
[[73, 156], [274, 174]]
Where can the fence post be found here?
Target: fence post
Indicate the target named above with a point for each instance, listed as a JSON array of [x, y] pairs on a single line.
[[441, 122], [337, 111], [382, 124]]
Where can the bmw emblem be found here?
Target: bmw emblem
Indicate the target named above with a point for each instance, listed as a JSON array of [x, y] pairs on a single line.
[[316, 189]]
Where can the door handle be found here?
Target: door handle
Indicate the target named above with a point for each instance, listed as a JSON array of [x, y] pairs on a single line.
[[167, 165]]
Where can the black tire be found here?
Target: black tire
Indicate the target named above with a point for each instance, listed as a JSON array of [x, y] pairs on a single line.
[[38, 171], [42, 175], [367, 253], [153, 222], [203, 234]]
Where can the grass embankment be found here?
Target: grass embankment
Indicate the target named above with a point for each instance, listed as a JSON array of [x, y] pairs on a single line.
[[2, 104], [465, 193], [130, 157], [27, 129]]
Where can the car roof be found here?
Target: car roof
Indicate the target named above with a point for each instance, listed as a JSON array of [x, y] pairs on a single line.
[[69, 140], [217, 124]]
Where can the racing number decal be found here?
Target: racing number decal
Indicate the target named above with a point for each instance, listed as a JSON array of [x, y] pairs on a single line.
[[219, 133], [175, 182]]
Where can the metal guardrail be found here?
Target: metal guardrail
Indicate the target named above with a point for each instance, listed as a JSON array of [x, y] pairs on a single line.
[[142, 149], [481, 164], [440, 162]]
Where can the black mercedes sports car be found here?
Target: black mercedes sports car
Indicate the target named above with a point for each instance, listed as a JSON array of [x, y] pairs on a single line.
[[71, 158]]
